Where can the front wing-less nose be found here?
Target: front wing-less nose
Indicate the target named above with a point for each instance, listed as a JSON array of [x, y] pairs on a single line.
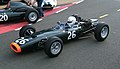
[[15, 47]]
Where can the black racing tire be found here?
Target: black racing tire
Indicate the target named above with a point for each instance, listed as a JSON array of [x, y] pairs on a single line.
[[49, 48], [32, 15], [51, 8], [101, 31], [26, 31]]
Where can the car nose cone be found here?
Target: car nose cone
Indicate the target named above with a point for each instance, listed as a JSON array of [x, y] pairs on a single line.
[[15, 47]]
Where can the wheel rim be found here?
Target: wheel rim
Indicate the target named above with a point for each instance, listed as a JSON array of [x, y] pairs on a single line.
[[104, 32], [32, 16], [55, 48], [29, 32]]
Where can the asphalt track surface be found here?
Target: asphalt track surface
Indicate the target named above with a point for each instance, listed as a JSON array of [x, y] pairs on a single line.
[[81, 54]]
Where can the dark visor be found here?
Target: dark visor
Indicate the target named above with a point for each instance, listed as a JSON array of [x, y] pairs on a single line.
[[69, 21]]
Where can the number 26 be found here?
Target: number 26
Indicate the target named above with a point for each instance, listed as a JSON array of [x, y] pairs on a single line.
[[71, 34]]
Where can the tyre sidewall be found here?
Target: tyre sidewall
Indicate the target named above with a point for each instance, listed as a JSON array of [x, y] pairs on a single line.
[[24, 29], [97, 31], [48, 44], [30, 11]]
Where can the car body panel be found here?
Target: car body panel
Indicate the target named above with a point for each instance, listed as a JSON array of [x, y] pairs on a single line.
[[12, 15]]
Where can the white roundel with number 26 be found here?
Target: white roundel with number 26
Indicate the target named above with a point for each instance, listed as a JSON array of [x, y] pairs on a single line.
[[3, 17], [22, 40], [71, 35]]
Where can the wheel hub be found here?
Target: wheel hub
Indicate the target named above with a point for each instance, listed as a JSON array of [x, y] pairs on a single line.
[[55, 47], [104, 32], [32, 16]]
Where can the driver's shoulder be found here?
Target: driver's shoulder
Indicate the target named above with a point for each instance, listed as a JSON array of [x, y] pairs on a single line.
[[62, 24]]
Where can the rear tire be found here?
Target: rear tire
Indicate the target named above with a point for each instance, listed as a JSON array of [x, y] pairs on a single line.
[[26, 31], [101, 31], [32, 16], [53, 47]]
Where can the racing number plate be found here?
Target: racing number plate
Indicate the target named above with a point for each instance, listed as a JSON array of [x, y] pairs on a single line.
[[3, 17], [22, 41], [71, 34]]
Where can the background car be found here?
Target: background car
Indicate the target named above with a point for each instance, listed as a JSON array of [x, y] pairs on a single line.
[[19, 10], [49, 4]]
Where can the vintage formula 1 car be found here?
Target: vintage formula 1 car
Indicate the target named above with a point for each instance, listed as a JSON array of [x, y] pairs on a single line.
[[19, 10], [49, 4], [52, 39]]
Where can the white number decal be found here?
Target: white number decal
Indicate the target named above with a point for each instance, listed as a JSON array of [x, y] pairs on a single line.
[[71, 34], [21, 41], [3, 17]]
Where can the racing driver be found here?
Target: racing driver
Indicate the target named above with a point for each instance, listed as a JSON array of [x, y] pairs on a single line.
[[75, 20]]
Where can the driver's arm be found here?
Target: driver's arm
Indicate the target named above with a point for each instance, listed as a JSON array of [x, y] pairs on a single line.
[[3, 6], [33, 2]]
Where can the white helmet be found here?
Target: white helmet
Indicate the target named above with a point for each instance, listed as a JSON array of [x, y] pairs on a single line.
[[71, 20]]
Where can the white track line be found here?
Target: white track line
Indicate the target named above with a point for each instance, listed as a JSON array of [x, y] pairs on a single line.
[[103, 16], [118, 10], [18, 29], [78, 2], [62, 10], [30, 24], [39, 20]]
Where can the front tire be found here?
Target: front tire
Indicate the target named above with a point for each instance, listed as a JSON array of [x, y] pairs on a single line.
[[26, 31], [32, 16], [101, 31], [53, 47]]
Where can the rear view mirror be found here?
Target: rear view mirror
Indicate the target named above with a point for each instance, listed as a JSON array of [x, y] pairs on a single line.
[[58, 22]]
